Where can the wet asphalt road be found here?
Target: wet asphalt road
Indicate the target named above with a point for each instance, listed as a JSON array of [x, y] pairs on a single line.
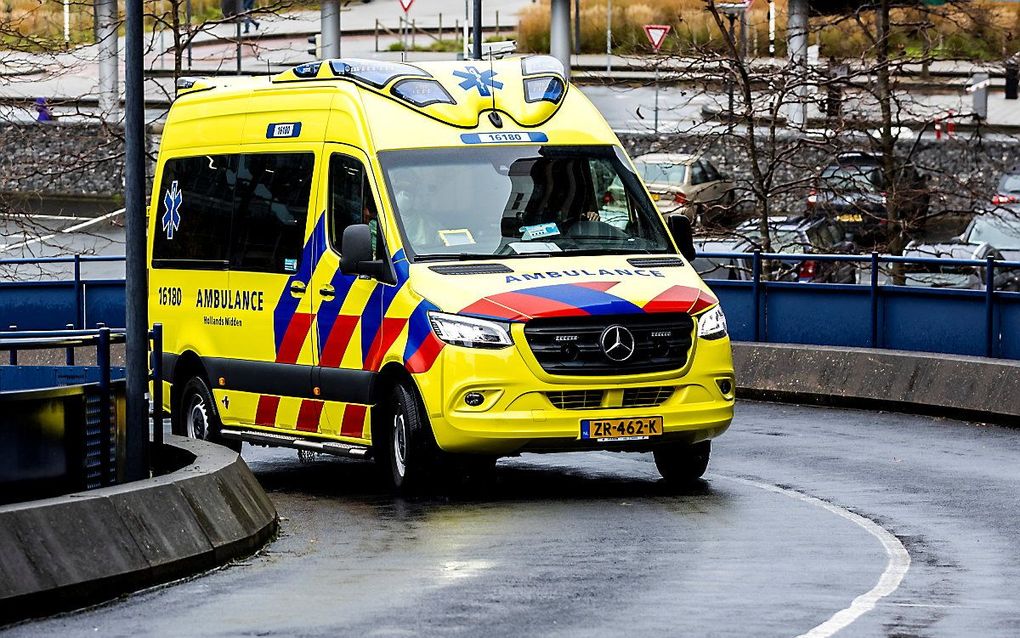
[[595, 544]]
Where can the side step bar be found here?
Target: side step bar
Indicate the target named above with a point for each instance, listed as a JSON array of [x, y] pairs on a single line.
[[274, 439]]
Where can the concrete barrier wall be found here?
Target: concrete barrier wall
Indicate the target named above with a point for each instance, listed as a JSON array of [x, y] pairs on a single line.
[[74, 550], [944, 385]]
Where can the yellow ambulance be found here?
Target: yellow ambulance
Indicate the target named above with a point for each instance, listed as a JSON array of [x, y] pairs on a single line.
[[432, 265]]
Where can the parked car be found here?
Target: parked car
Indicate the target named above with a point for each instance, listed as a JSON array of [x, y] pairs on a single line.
[[989, 234], [686, 184], [817, 235], [1008, 190], [854, 191]]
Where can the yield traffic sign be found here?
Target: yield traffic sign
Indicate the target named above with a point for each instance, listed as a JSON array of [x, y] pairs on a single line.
[[406, 5], [657, 34]]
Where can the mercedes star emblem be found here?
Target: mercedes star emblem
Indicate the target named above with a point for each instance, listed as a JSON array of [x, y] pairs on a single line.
[[617, 342]]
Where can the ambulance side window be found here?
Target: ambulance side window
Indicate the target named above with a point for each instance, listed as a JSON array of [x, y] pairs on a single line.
[[193, 212], [351, 201], [270, 208]]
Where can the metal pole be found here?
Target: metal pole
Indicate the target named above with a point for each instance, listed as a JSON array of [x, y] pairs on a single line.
[[187, 22], [655, 127], [990, 307], [559, 33], [136, 291], [874, 300], [609, 36], [577, 26], [772, 28], [79, 294], [238, 27], [106, 24], [67, 21], [756, 292], [476, 31], [797, 43], [12, 357], [103, 363], [729, 76], [329, 16], [157, 386], [467, 20]]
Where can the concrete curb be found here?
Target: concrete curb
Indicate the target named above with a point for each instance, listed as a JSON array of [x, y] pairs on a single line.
[[74, 550], [918, 382]]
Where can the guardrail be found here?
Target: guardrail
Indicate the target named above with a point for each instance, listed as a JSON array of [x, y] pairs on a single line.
[[52, 305], [871, 315], [954, 321], [62, 427]]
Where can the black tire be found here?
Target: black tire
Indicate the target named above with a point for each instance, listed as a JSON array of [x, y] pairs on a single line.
[[406, 448], [197, 416], [682, 464]]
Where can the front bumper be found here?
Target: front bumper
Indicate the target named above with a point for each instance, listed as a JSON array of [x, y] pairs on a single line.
[[517, 413]]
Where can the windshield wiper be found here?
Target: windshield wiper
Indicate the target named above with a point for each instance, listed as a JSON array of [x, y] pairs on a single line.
[[612, 251], [473, 256]]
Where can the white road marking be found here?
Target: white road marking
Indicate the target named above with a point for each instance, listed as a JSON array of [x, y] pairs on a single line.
[[70, 229], [895, 569]]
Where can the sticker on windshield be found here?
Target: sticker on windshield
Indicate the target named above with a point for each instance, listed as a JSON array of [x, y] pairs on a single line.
[[457, 237], [509, 137], [539, 230]]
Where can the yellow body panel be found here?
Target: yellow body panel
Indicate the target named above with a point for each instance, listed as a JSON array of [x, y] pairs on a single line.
[[309, 345]]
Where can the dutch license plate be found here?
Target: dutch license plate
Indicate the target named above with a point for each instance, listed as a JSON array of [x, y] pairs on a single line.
[[622, 429], [850, 217]]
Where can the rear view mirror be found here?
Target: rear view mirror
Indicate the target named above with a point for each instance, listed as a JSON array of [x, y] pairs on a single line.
[[683, 235]]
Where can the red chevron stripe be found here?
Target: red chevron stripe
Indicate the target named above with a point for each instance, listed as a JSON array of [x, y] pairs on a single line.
[[336, 343], [384, 338], [673, 299], [295, 337], [308, 415], [265, 414], [354, 421], [426, 355]]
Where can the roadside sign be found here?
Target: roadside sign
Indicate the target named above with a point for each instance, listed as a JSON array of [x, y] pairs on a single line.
[[406, 5], [656, 34]]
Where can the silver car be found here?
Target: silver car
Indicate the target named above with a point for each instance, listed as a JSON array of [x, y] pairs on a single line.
[[686, 184], [995, 235]]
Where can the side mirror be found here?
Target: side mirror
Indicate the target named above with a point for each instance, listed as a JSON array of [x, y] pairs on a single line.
[[683, 235], [356, 253]]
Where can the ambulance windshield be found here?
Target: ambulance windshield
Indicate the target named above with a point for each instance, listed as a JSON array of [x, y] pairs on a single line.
[[507, 201]]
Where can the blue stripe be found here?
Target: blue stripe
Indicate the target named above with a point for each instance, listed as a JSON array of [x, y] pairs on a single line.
[[418, 327], [591, 301], [287, 305], [379, 302]]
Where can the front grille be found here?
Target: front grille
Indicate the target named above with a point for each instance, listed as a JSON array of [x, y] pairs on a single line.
[[646, 397], [571, 345], [576, 399]]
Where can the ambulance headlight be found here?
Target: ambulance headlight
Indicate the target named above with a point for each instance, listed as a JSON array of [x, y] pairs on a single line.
[[712, 324], [470, 332]]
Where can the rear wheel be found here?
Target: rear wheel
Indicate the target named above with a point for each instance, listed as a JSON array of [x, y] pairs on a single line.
[[682, 464], [197, 415]]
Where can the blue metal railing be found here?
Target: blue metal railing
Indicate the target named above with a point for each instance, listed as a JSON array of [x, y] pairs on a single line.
[[874, 314], [892, 311], [92, 303]]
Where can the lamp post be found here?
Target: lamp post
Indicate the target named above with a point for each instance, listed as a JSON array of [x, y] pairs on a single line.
[[733, 10]]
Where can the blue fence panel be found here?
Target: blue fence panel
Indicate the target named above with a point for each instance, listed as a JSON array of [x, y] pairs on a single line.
[[38, 305], [829, 314], [736, 300], [1008, 325], [926, 319], [104, 303]]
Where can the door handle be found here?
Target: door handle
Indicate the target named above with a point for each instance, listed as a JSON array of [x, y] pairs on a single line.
[[327, 291], [297, 288]]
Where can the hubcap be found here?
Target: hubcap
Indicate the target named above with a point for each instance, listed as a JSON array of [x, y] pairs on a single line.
[[197, 418], [400, 443]]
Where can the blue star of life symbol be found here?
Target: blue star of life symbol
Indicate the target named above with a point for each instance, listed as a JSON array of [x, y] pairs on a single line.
[[481, 80], [172, 201]]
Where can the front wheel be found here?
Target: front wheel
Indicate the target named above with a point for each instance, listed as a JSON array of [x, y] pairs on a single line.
[[682, 464], [408, 453], [197, 415]]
